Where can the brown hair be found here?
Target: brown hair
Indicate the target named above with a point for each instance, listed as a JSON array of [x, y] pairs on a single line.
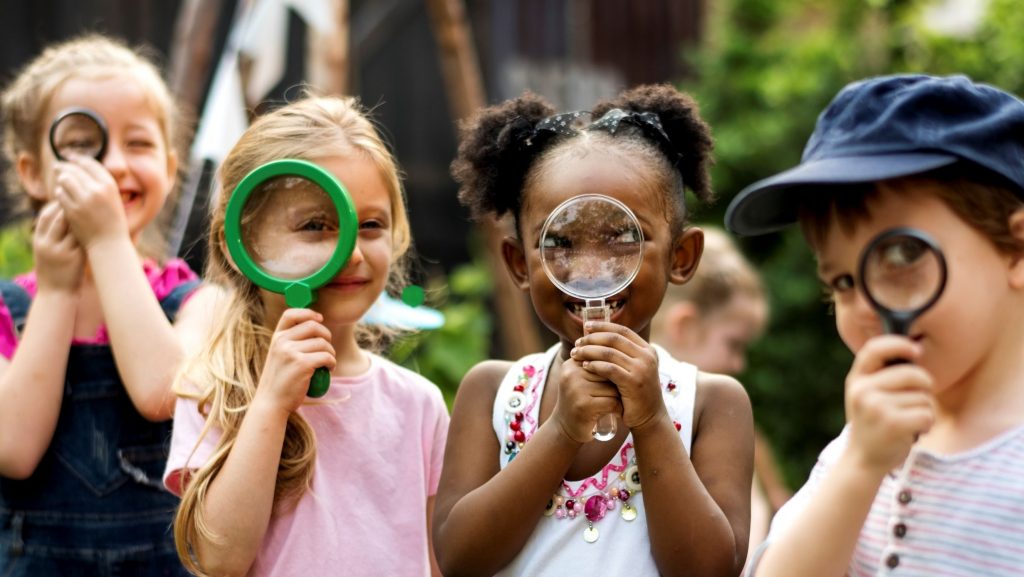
[[983, 201], [227, 371]]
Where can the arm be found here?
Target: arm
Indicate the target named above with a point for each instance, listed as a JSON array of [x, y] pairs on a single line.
[[240, 499], [32, 383], [484, 514], [887, 406], [698, 508], [89, 195]]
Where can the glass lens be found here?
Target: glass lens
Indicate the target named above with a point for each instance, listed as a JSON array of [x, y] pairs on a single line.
[[903, 273], [77, 134], [591, 246], [289, 227]]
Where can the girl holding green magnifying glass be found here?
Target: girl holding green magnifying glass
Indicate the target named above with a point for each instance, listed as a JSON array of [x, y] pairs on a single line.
[[273, 483]]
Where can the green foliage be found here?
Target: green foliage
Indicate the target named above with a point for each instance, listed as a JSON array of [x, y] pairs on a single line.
[[767, 70], [446, 354], [15, 250]]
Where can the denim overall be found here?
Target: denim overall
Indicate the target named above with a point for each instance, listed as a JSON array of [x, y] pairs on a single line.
[[95, 505]]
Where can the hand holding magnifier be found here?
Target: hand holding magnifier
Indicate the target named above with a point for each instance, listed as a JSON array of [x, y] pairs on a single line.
[[591, 247], [291, 227]]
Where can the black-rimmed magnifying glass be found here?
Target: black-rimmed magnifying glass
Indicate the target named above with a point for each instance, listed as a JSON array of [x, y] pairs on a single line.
[[591, 247], [78, 132], [902, 273]]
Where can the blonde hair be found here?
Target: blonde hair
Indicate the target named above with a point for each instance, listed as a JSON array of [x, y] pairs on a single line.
[[26, 100], [723, 273], [227, 371]]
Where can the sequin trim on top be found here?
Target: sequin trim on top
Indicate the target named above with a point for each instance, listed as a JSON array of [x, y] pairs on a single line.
[[612, 488]]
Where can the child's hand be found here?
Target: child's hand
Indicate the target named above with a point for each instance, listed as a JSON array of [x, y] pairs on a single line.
[[583, 396], [91, 198], [618, 354], [887, 406], [58, 257], [300, 345]]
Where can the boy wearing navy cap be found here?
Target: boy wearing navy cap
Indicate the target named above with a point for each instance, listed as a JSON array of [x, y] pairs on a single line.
[[945, 156]]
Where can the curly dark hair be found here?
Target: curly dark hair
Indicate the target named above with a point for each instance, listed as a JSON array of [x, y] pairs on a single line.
[[499, 147]]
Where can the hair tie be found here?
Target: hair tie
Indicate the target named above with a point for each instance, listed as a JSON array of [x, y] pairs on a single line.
[[647, 122]]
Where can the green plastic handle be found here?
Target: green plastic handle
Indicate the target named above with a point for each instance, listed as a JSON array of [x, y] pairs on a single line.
[[319, 384]]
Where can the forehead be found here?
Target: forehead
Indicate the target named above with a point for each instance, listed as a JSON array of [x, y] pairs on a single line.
[[119, 97], [572, 172]]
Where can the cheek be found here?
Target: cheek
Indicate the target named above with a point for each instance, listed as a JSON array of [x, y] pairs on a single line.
[[851, 336]]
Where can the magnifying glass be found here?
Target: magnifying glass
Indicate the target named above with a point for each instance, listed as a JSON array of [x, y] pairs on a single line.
[[291, 227], [903, 273], [78, 132], [591, 247]]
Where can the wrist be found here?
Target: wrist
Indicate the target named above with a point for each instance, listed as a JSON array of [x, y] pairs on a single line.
[[859, 465], [655, 424], [268, 410]]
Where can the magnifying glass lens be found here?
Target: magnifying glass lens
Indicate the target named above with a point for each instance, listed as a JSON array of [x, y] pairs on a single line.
[[903, 273], [289, 227], [591, 247], [77, 134]]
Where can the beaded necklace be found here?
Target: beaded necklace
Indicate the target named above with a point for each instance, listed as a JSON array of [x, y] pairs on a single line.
[[616, 483]]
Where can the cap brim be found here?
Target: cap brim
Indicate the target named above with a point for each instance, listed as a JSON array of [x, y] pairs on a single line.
[[394, 313], [767, 205]]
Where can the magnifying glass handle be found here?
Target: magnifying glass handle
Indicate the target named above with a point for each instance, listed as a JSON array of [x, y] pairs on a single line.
[[607, 425], [319, 384]]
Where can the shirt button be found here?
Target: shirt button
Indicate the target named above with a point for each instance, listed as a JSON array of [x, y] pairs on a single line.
[[904, 496], [900, 530], [892, 561]]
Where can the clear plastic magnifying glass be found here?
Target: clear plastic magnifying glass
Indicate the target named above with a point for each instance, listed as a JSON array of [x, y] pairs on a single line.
[[291, 227], [78, 132], [591, 247]]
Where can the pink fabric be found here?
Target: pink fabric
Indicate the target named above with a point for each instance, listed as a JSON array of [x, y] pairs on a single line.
[[163, 280], [380, 446]]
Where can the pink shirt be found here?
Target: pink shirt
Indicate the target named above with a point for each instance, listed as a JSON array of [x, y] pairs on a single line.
[[380, 446], [163, 280]]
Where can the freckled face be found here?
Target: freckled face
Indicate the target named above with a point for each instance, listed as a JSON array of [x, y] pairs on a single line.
[[597, 173]]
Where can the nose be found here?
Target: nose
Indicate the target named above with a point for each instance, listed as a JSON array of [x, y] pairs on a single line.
[[356, 257], [114, 159]]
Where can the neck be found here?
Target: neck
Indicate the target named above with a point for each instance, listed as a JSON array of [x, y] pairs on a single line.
[[352, 360]]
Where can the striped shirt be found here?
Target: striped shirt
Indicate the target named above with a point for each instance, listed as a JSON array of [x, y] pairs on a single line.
[[956, 515]]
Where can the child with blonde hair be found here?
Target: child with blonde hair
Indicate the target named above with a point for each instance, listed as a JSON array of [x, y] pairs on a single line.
[[272, 484], [89, 339]]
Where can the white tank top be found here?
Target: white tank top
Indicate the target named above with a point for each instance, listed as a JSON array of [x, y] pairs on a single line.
[[595, 526]]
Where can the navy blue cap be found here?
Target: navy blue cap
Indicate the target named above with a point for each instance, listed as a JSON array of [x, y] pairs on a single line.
[[888, 127]]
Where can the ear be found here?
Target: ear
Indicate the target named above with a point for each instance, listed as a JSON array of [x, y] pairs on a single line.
[[686, 255], [172, 167], [515, 261], [682, 324], [1017, 260], [30, 173]]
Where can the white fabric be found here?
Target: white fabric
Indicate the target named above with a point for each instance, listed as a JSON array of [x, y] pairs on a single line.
[[557, 547]]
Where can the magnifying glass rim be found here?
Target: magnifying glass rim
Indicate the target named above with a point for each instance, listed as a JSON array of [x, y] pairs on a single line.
[[347, 223], [547, 223], [92, 115], [886, 235]]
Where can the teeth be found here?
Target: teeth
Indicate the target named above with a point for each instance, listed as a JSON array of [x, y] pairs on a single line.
[[577, 308]]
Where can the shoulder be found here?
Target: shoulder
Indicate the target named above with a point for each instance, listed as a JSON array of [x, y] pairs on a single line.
[[407, 381], [480, 385], [720, 396]]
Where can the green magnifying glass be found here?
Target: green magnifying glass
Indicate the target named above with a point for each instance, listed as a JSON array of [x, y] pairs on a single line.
[[291, 227]]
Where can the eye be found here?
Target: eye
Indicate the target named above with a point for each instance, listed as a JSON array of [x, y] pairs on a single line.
[[555, 241], [629, 235], [841, 283]]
